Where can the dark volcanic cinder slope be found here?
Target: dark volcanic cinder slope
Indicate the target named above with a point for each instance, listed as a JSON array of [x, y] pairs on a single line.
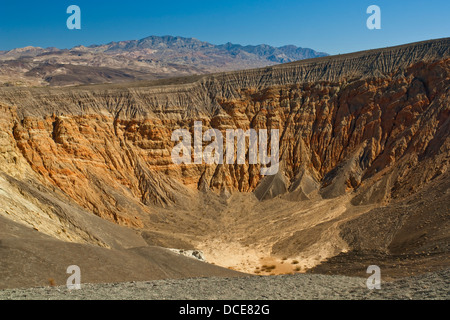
[[403, 238], [31, 259], [359, 132]]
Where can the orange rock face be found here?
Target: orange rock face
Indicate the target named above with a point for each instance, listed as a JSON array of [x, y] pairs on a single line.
[[348, 134]]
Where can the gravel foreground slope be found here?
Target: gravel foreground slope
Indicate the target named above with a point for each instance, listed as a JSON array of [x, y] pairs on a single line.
[[292, 287]]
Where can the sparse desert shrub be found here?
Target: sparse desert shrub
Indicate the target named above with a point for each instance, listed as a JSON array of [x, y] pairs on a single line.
[[295, 262], [266, 268]]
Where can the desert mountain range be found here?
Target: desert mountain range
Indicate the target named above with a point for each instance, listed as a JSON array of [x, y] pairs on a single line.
[[364, 157], [146, 59]]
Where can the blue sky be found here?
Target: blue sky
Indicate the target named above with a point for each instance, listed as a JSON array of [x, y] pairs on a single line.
[[330, 26]]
